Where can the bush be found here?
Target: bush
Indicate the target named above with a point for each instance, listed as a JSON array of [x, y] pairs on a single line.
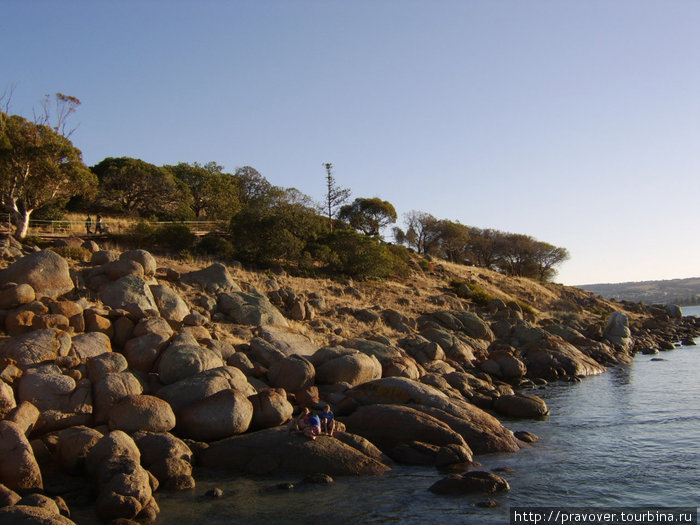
[[142, 233], [215, 246], [361, 257], [479, 295], [175, 237]]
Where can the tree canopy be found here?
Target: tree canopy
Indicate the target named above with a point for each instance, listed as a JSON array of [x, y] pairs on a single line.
[[133, 186], [38, 167], [368, 215]]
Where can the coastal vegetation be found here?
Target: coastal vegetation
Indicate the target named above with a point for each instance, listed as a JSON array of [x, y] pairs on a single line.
[[42, 173]]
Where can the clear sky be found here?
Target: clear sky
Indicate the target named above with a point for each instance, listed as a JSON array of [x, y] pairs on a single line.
[[576, 122]]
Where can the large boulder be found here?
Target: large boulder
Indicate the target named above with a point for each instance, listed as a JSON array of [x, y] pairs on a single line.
[[144, 258], [200, 386], [224, 414], [130, 293], [170, 305], [270, 408], [373, 348], [36, 347], [287, 340], [16, 295], [521, 406], [45, 271], [214, 279], [292, 373], [19, 470], [276, 450], [397, 429], [553, 358], [184, 360], [481, 431], [250, 309], [32, 515], [92, 344], [110, 389], [141, 412], [142, 352], [73, 446], [617, 331], [62, 400], [7, 399], [352, 368], [168, 458], [124, 486]]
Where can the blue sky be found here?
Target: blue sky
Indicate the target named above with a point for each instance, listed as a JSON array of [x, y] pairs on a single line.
[[576, 122]]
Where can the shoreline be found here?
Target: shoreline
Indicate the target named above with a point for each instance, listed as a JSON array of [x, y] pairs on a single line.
[[161, 369]]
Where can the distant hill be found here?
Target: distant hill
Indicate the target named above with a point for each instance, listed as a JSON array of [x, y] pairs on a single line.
[[675, 291]]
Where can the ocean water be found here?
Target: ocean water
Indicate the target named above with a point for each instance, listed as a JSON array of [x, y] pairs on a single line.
[[629, 437]]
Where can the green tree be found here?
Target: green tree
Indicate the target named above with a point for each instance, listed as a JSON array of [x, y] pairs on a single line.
[[38, 167], [214, 193], [134, 186], [453, 240], [368, 215], [422, 232]]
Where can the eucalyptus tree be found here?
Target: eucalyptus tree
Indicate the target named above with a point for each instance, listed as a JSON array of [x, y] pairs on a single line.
[[368, 215], [38, 167]]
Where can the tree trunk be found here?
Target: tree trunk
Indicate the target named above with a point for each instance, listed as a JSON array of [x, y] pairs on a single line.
[[21, 219]]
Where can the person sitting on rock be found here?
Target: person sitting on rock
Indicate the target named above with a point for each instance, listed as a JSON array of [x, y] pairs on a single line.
[[298, 424], [313, 425], [327, 420]]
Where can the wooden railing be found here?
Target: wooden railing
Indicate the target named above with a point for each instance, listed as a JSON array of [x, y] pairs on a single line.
[[68, 228]]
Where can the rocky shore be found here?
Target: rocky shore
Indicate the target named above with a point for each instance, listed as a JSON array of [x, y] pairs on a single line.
[[118, 375]]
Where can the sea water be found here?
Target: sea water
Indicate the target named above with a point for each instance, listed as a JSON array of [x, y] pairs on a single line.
[[625, 438]]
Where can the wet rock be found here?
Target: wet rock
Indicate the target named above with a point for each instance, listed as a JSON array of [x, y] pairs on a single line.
[[483, 482], [525, 436], [167, 457], [521, 405]]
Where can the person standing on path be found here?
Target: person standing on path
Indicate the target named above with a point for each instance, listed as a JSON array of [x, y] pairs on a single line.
[[88, 225], [98, 226]]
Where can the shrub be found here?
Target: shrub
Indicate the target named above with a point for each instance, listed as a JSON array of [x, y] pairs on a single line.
[[526, 308], [142, 233], [215, 246], [479, 295], [349, 253], [175, 237]]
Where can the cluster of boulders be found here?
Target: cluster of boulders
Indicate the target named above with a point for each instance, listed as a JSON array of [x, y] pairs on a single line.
[[126, 374]]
